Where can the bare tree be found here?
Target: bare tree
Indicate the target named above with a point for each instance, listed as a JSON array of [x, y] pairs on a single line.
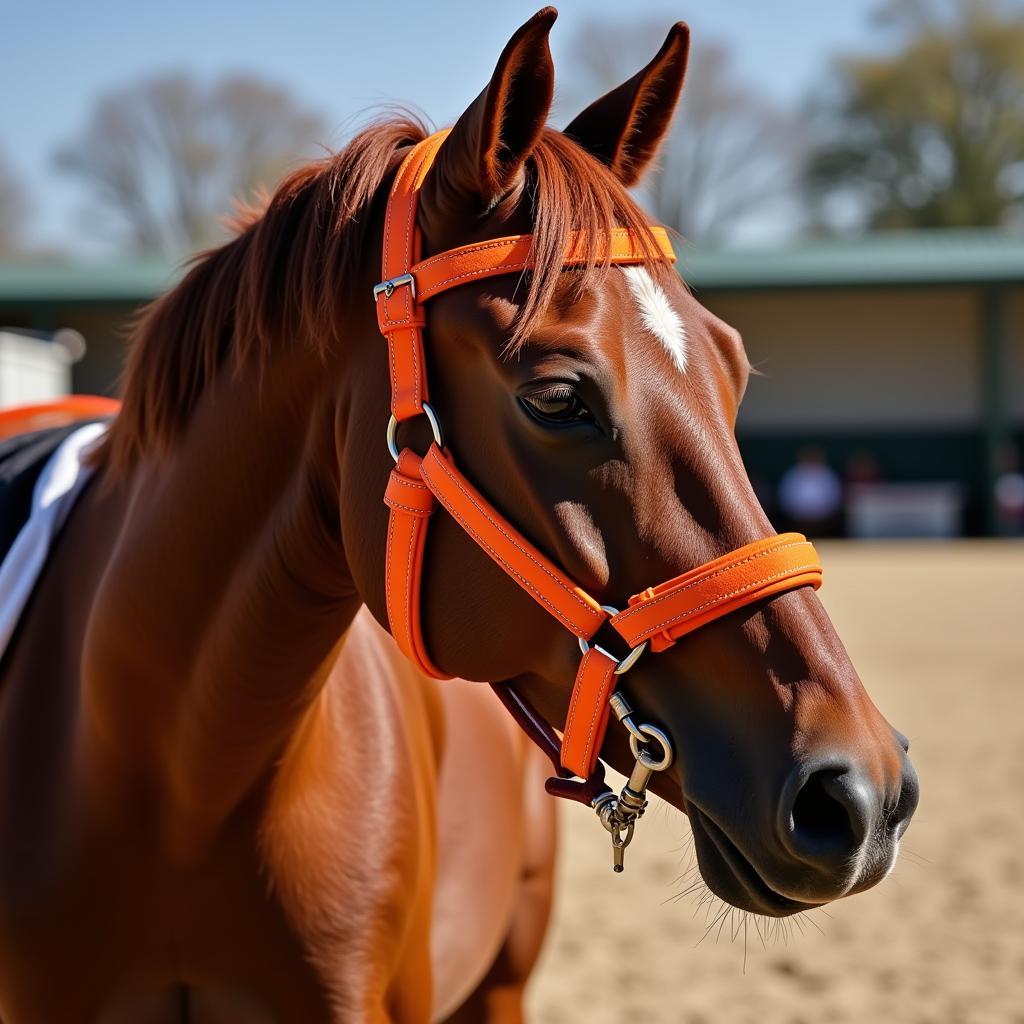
[[13, 209], [165, 158], [732, 157]]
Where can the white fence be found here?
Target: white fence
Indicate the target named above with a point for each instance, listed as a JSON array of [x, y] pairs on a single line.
[[37, 369]]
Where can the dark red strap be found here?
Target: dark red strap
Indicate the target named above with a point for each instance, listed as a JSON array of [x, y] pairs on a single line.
[[584, 791]]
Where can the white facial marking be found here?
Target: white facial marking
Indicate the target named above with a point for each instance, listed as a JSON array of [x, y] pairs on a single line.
[[657, 314]]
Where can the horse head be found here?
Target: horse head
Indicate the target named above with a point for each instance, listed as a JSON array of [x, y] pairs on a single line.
[[596, 408]]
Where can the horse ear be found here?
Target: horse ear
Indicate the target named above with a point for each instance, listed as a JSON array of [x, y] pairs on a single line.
[[624, 128], [483, 156]]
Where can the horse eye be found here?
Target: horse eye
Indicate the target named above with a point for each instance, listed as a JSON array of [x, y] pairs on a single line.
[[556, 405]]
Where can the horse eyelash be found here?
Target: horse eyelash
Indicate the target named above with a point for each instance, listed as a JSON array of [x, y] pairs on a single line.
[[554, 392]]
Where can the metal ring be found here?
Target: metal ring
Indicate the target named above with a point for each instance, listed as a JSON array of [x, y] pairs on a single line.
[[644, 757], [629, 660], [584, 645], [633, 729], [435, 426]]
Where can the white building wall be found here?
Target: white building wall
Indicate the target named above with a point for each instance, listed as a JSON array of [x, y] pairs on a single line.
[[889, 359], [32, 370]]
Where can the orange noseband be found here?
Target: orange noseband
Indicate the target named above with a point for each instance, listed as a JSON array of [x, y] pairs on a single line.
[[657, 617]]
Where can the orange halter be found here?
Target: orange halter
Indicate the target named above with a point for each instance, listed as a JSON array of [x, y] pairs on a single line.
[[657, 617]]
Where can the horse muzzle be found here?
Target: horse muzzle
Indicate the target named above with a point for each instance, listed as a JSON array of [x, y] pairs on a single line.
[[834, 831]]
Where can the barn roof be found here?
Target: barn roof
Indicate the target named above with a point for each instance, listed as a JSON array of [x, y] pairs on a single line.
[[893, 258], [874, 260]]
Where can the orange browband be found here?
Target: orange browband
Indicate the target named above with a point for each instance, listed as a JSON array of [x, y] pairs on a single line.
[[658, 617]]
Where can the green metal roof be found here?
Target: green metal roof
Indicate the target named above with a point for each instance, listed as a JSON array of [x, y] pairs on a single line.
[[74, 283], [896, 258], [912, 258]]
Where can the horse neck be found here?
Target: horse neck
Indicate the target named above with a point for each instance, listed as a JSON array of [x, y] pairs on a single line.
[[232, 567]]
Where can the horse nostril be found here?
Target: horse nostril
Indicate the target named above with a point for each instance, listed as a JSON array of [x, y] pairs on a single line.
[[826, 818], [902, 741], [910, 792]]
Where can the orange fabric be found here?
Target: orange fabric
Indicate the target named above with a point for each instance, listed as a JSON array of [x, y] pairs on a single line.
[[22, 419], [666, 612], [411, 505], [512, 254], [541, 579], [587, 719]]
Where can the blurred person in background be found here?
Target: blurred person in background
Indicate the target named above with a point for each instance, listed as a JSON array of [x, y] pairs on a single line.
[[811, 495], [1009, 489], [859, 474], [861, 468]]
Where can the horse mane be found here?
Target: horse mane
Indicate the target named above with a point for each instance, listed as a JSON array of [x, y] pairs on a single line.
[[290, 272]]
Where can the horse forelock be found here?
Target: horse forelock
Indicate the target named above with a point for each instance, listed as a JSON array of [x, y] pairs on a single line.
[[571, 190], [290, 272], [285, 274]]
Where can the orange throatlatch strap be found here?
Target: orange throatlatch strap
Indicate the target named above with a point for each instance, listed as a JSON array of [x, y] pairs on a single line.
[[659, 616]]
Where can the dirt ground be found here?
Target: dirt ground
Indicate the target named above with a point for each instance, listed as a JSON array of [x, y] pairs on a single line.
[[936, 632]]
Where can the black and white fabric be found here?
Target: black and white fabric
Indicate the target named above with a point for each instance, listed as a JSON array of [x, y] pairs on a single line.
[[41, 476]]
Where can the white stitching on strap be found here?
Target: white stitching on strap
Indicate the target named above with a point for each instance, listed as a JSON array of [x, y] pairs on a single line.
[[508, 268], [420, 513], [509, 537], [634, 610], [410, 630], [574, 700], [514, 240], [795, 570], [598, 707], [387, 567], [522, 580]]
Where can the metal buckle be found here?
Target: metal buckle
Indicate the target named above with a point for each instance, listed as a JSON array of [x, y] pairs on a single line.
[[621, 667], [435, 426], [387, 288]]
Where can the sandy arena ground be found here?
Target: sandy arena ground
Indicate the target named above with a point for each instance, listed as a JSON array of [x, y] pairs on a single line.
[[936, 632]]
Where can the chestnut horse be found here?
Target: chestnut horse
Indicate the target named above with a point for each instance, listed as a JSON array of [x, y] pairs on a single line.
[[224, 794]]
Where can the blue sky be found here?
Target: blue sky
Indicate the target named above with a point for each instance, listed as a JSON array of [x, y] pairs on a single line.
[[343, 57]]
